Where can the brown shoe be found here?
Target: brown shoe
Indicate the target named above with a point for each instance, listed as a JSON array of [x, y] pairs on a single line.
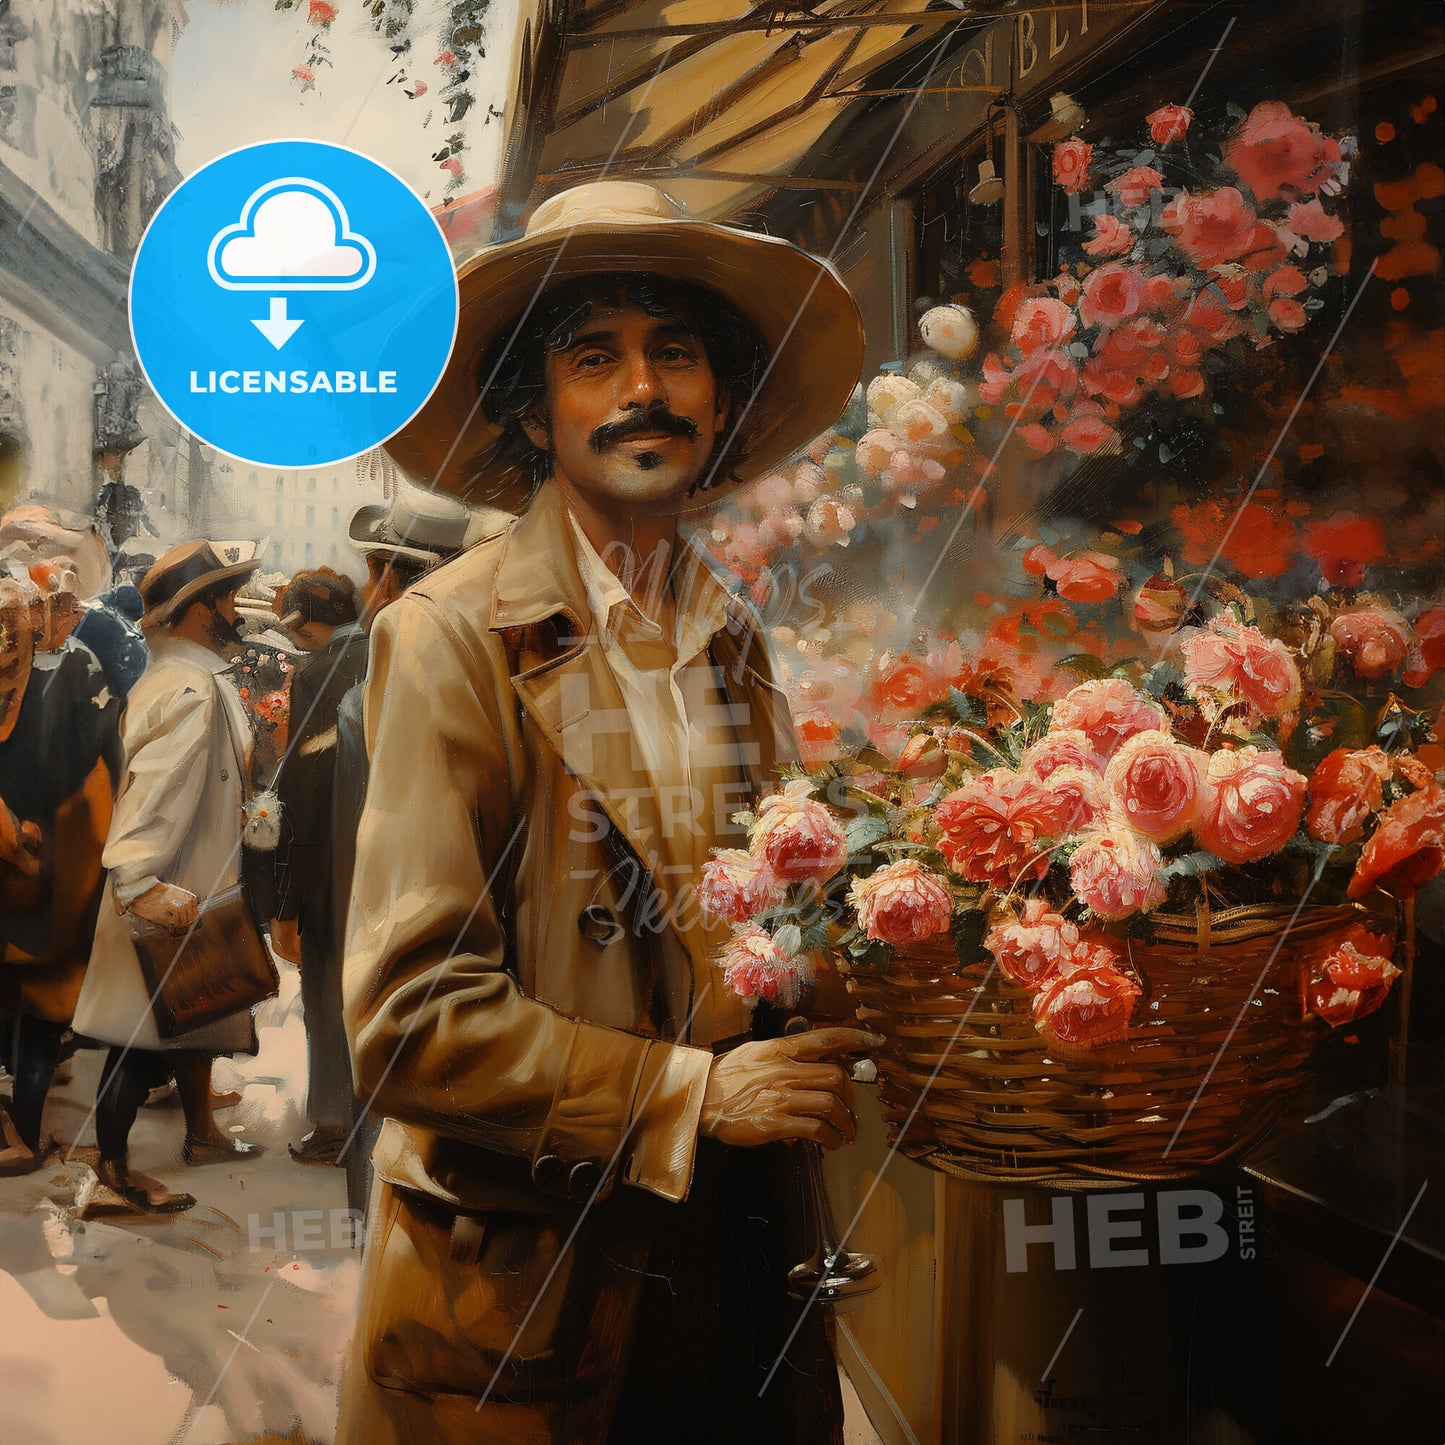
[[17, 1157], [140, 1191]]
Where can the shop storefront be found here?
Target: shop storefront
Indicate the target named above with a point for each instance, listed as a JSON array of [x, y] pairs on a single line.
[[1089, 466]]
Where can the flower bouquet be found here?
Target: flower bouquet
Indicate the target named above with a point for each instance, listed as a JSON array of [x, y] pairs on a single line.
[[1104, 933]]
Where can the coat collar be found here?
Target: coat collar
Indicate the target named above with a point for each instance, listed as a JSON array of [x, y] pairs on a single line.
[[567, 688]]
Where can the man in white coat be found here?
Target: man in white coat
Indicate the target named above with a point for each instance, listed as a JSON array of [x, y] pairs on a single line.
[[175, 839]]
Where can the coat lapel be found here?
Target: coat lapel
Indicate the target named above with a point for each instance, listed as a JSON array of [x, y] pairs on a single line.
[[563, 679]]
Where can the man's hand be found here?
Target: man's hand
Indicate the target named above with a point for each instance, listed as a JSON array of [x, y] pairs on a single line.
[[773, 1089], [286, 939], [167, 906]]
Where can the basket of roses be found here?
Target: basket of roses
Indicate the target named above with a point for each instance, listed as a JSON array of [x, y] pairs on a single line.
[[1102, 936]]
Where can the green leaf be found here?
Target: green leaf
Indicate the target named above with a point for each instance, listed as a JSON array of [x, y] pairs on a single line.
[[1082, 664], [1191, 865], [969, 928], [789, 939], [1161, 678], [968, 710], [862, 833]]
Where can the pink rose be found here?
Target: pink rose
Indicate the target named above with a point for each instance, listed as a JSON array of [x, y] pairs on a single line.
[[1059, 748], [1251, 804], [874, 450], [1154, 782], [1211, 229], [1345, 789], [1113, 293], [1135, 186], [1169, 123], [1089, 435], [754, 968], [1241, 664], [1030, 946], [735, 886], [1041, 321], [1111, 237], [1376, 640], [1115, 871], [1086, 1008], [1076, 797], [1071, 165], [1274, 152], [798, 837], [1107, 710], [902, 903], [993, 828]]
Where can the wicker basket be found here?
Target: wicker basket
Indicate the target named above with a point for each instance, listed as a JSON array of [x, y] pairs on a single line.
[[1218, 1040]]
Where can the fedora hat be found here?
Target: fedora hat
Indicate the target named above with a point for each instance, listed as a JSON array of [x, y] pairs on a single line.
[[798, 305], [178, 576], [423, 525]]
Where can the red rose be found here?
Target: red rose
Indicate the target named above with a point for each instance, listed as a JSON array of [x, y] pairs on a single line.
[[908, 686], [1241, 664], [1344, 545], [993, 828], [1260, 543], [1086, 577], [1354, 979], [817, 734], [1106, 710], [1071, 165], [1428, 655], [1169, 123], [1135, 186], [1030, 947], [901, 903], [1346, 787], [1113, 293], [1111, 237], [1207, 315], [798, 837], [1086, 1008], [1213, 228], [1311, 222], [1407, 849], [1251, 804], [1375, 639], [1274, 152], [1159, 604], [1287, 314]]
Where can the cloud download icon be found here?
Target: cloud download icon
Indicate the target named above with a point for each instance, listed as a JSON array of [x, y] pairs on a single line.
[[293, 235], [304, 223]]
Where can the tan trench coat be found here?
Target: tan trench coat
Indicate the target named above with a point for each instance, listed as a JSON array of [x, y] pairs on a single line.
[[177, 820], [501, 1009]]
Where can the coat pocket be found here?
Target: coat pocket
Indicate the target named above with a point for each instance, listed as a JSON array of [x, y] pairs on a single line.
[[497, 1302]]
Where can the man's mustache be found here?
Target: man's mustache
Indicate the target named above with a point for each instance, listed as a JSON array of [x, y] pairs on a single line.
[[642, 423]]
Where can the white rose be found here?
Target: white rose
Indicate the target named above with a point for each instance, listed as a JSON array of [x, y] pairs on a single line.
[[950, 330], [888, 392]]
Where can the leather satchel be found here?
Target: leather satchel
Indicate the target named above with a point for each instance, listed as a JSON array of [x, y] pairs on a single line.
[[218, 966]]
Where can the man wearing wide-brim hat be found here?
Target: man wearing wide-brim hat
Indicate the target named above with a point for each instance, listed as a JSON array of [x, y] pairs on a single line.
[[174, 841], [582, 1222]]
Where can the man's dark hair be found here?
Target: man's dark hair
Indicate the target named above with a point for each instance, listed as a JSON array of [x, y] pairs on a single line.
[[320, 595], [734, 351]]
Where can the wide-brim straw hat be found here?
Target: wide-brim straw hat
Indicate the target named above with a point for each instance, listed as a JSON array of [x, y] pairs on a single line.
[[178, 576], [803, 314]]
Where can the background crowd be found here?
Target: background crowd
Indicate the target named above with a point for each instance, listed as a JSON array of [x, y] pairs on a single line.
[[176, 731]]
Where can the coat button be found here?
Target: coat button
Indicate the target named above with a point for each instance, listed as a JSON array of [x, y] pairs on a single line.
[[599, 925], [549, 1172], [583, 1183], [225, 776]]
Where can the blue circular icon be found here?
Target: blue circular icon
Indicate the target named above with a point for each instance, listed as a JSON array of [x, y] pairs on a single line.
[[293, 303]]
